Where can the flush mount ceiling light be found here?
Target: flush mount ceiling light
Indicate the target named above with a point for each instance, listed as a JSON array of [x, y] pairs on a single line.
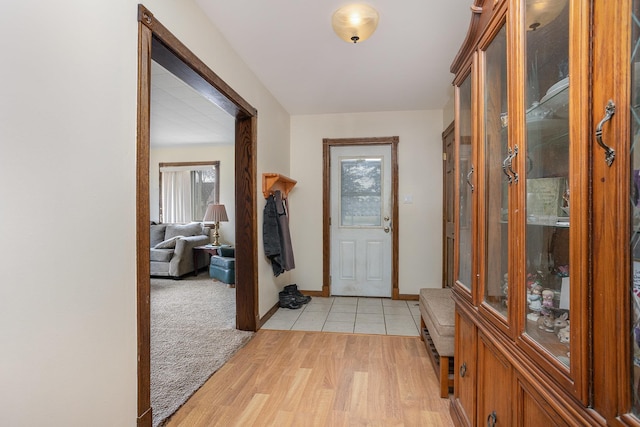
[[355, 22], [540, 12]]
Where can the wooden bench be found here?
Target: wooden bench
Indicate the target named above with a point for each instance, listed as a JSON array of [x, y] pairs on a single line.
[[437, 324]]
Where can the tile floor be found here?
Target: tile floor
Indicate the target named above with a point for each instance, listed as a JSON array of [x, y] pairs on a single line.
[[350, 314]]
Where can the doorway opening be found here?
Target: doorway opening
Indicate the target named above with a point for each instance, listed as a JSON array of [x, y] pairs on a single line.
[[155, 40], [388, 221]]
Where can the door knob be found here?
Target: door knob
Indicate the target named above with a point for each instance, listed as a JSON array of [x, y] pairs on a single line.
[[386, 229], [386, 218]]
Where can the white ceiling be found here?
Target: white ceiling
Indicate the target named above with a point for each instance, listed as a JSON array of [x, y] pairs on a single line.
[[291, 47], [181, 116]]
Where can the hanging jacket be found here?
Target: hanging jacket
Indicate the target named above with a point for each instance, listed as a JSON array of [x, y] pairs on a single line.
[[275, 234], [271, 235], [286, 250]]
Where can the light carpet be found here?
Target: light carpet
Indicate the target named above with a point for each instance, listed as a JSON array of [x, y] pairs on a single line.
[[192, 335]]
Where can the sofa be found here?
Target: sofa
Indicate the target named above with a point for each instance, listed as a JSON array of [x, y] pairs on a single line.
[[222, 267], [172, 248]]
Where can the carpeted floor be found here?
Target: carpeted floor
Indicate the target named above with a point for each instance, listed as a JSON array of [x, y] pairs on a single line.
[[192, 335]]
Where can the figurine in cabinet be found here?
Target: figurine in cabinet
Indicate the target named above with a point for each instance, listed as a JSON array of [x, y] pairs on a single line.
[[561, 322], [546, 320], [535, 299], [505, 290], [547, 298], [563, 334]]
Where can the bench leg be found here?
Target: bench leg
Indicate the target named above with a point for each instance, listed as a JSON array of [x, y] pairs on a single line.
[[444, 376], [422, 327]]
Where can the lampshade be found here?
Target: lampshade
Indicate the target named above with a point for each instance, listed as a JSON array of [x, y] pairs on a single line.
[[540, 12], [215, 213], [355, 22]]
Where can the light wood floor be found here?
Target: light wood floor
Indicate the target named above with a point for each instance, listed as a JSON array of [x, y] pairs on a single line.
[[293, 378]]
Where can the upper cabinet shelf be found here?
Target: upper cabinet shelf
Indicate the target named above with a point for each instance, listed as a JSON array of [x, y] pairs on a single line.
[[272, 182]]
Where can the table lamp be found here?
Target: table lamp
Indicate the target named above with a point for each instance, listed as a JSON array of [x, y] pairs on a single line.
[[215, 214]]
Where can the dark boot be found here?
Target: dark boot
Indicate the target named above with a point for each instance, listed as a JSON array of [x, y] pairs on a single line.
[[293, 290], [288, 301]]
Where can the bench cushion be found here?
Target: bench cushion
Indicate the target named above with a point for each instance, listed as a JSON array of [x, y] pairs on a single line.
[[438, 313]]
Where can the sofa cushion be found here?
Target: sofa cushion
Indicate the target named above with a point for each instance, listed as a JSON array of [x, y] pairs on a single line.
[[161, 255], [157, 233], [192, 229], [167, 244]]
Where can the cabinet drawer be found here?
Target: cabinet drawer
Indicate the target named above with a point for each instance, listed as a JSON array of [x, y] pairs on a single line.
[[495, 385], [465, 368], [532, 409]]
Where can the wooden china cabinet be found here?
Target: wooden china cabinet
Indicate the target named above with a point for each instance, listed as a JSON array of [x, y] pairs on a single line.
[[547, 260]]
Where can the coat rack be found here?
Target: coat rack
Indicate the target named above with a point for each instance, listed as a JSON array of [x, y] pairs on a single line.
[[272, 182]]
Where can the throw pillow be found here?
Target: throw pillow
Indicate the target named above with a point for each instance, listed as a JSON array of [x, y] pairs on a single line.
[[167, 244], [157, 233]]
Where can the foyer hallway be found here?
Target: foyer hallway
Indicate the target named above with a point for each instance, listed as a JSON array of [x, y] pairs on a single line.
[[298, 378]]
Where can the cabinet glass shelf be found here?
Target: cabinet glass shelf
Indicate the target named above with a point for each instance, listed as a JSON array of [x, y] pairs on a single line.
[[560, 222]]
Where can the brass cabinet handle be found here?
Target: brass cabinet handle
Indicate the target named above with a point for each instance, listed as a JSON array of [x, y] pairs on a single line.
[[507, 166], [504, 166], [609, 153], [463, 369], [513, 154], [492, 419], [469, 179]]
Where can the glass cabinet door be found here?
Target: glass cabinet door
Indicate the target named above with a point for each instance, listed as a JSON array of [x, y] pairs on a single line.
[[495, 121], [634, 198], [466, 187], [546, 182], [495, 198]]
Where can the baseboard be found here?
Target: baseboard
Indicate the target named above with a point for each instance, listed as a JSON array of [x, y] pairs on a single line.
[[145, 420], [313, 293], [268, 315], [408, 297]]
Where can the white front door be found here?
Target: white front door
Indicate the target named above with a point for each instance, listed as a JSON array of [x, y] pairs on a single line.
[[361, 220]]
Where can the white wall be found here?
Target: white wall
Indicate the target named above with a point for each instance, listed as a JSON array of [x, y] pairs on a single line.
[[448, 111], [198, 153], [67, 201], [67, 185], [420, 176]]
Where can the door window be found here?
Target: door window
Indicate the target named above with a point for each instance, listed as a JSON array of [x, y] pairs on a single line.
[[361, 192]]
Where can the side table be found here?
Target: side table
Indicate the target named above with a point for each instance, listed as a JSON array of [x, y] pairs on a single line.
[[207, 249]]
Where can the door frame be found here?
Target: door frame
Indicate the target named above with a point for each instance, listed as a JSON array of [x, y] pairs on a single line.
[[152, 35], [327, 143]]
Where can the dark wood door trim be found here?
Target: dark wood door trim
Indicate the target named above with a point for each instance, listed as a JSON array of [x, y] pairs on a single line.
[[154, 40], [327, 143]]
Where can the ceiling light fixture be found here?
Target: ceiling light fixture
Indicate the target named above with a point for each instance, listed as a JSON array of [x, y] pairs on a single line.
[[541, 12], [355, 22]]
